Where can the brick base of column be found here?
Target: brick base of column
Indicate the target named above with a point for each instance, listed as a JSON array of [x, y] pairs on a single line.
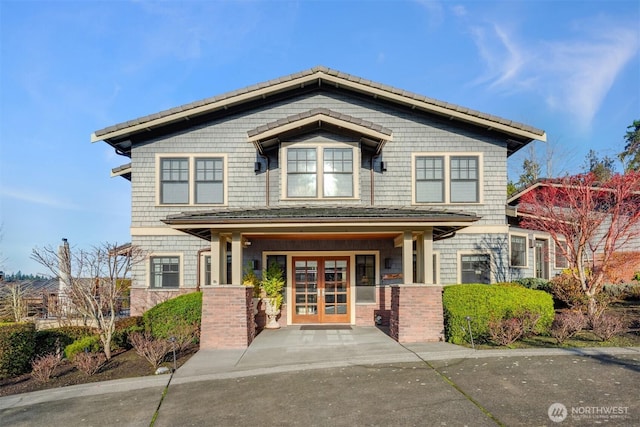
[[227, 317], [416, 313]]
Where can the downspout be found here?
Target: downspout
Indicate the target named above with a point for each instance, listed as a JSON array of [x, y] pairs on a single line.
[[373, 159], [266, 184]]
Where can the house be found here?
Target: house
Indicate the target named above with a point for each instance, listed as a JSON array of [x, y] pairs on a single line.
[[369, 197], [534, 253]]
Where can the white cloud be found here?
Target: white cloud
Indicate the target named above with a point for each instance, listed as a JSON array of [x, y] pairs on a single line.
[[459, 10], [37, 198], [572, 75]]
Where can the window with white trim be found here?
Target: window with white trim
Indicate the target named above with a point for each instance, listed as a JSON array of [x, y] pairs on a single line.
[[191, 180], [447, 178], [518, 250], [430, 179], [464, 179], [174, 180], [165, 272], [320, 172]]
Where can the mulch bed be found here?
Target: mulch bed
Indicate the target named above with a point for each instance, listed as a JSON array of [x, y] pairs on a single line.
[[125, 364]]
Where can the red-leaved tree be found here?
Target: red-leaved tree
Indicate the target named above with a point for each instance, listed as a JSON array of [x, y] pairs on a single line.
[[589, 220]]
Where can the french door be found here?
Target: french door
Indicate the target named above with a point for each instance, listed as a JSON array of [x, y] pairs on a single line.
[[321, 290]]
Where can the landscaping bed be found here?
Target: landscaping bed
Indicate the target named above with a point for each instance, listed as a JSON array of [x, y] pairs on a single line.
[[125, 364]]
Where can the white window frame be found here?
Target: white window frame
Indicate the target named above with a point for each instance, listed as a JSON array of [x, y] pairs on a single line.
[[447, 156], [165, 255], [526, 250], [191, 158], [320, 147]]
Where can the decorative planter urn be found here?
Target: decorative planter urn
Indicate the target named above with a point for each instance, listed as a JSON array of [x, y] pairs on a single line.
[[272, 312]]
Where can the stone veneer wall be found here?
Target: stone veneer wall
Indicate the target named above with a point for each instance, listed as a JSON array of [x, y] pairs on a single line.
[[416, 313], [227, 317]]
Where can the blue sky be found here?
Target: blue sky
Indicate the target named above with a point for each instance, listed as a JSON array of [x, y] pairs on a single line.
[[67, 69]]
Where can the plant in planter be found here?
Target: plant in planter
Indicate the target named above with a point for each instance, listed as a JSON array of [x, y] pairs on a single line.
[[271, 285], [250, 279]]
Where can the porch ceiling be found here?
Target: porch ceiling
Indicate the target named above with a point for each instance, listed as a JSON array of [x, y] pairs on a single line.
[[335, 222]]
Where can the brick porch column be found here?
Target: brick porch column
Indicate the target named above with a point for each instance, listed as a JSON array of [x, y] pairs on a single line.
[[227, 317], [416, 313]]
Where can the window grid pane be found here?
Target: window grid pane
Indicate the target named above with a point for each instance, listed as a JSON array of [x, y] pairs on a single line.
[[165, 272], [338, 172], [430, 179], [464, 179], [301, 172], [174, 185], [209, 186]]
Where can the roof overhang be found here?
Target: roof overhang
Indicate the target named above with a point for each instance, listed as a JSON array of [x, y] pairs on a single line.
[[334, 222], [517, 134], [123, 171]]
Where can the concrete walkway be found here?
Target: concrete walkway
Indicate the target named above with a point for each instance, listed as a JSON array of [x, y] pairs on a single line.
[[344, 369]]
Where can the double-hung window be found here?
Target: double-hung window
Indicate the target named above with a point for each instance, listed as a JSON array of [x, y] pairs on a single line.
[[320, 172], [191, 180], [165, 272], [209, 181], [560, 260], [301, 172], [447, 178], [518, 251], [338, 172], [430, 179], [464, 179], [174, 180]]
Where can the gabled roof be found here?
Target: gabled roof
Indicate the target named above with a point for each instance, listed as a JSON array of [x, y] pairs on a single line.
[[319, 118], [518, 134]]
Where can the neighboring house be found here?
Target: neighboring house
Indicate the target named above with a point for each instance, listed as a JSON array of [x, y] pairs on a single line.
[[348, 184], [533, 253]]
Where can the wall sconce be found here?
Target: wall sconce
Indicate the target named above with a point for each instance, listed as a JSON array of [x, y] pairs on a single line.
[[257, 166], [531, 241], [387, 263], [256, 264], [383, 166]]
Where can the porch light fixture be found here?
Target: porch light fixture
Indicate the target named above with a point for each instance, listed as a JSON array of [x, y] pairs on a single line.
[[256, 264], [257, 166], [387, 263], [383, 167]]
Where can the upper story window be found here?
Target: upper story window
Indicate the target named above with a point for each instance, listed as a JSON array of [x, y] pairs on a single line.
[[174, 180], [446, 178], [191, 180], [320, 171], [430, 179]]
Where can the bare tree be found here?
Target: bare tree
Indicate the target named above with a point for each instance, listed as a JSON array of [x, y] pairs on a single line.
[[589, 219], [92, 281], [13, 299]]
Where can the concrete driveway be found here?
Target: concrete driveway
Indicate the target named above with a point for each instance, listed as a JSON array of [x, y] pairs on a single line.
[[355, 377]]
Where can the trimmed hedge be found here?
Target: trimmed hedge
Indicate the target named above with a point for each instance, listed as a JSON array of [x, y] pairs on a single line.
[[125, 327], [91, 344], [17, 348], [536, 284], [164, 318], [47, 340], [484, 303]]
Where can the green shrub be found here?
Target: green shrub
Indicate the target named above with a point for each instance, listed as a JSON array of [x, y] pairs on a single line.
[[164, 318], [48, 339], [489, 303], [90, 344], [124, 328], [17, 348], [535, 283]]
